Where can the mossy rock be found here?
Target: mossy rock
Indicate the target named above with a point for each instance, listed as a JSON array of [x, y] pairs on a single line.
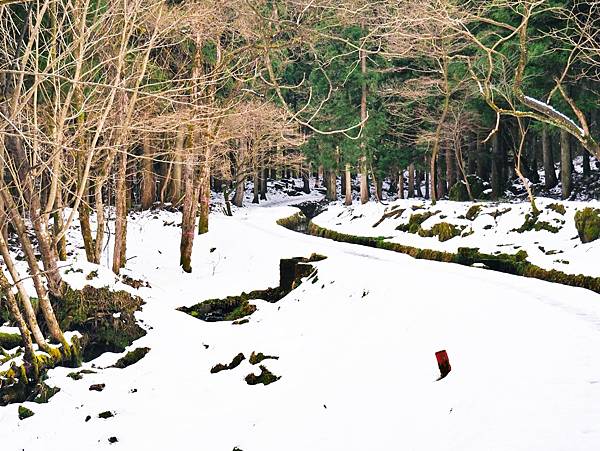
[[415, 221], [233, 364], [473, 212], [265, 377], [24, 413], [105, 318], [257, 358], [558, 208], [443, 230], [131, 358], [459, 192], [587, 222]]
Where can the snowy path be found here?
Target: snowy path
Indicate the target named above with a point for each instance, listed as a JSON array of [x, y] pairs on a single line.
[[356, 355]]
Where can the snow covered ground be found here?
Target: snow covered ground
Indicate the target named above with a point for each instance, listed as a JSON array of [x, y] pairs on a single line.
[[493, 230], [356, 354]]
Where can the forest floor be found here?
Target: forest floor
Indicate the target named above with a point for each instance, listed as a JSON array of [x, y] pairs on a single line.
[[356, 352]]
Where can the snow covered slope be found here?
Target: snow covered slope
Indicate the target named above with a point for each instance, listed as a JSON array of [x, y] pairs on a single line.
[[494, 229], [356, 355]]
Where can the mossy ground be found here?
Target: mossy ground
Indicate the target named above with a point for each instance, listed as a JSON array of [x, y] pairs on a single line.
[[131, 358]]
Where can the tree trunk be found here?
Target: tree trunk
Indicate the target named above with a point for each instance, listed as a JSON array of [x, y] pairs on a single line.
[[450, 167], [204, 186], [190, 204], [15, 313], [240, 178], [364, 178], [348, 185], [36, 274], [256, 189], [401, 184], [565, 163], [441, 182], [148, 185], [59, 223], [306, 180], [331, 185], [23, 296], [496, 175], [119, 249], [263, 183], [418, 181], [549, 171], [176, 193], [411, 181]]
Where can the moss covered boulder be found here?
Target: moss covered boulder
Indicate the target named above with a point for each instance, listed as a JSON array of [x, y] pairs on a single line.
[[587, 222], [415, 221], [473, 212], [105, 318], [443, 230]]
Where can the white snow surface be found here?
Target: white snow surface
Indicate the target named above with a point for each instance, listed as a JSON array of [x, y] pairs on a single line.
[[356, 354], [563, 250]]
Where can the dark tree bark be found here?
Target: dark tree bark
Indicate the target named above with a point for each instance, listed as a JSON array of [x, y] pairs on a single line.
[[549, 172], [411, 181], [190, 205], [148, 185], [565, 163], [450, 167], [496, 173], [120, 246]]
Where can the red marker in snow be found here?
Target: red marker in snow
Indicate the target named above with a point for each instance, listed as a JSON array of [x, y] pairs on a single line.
[[443, 363]]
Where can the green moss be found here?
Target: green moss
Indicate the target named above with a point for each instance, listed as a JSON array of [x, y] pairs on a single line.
[[24, 413], [558, 208], [473, 212], [131, 358], [233, 364], [265, 377], [92, 275], [105, 318], [443, 230], [78, 375], [10, 341], [532, 223], [257, 358], [415, 221], [587, 222]]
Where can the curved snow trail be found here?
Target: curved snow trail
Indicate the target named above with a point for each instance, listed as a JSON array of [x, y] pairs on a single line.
[[356, 355]]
